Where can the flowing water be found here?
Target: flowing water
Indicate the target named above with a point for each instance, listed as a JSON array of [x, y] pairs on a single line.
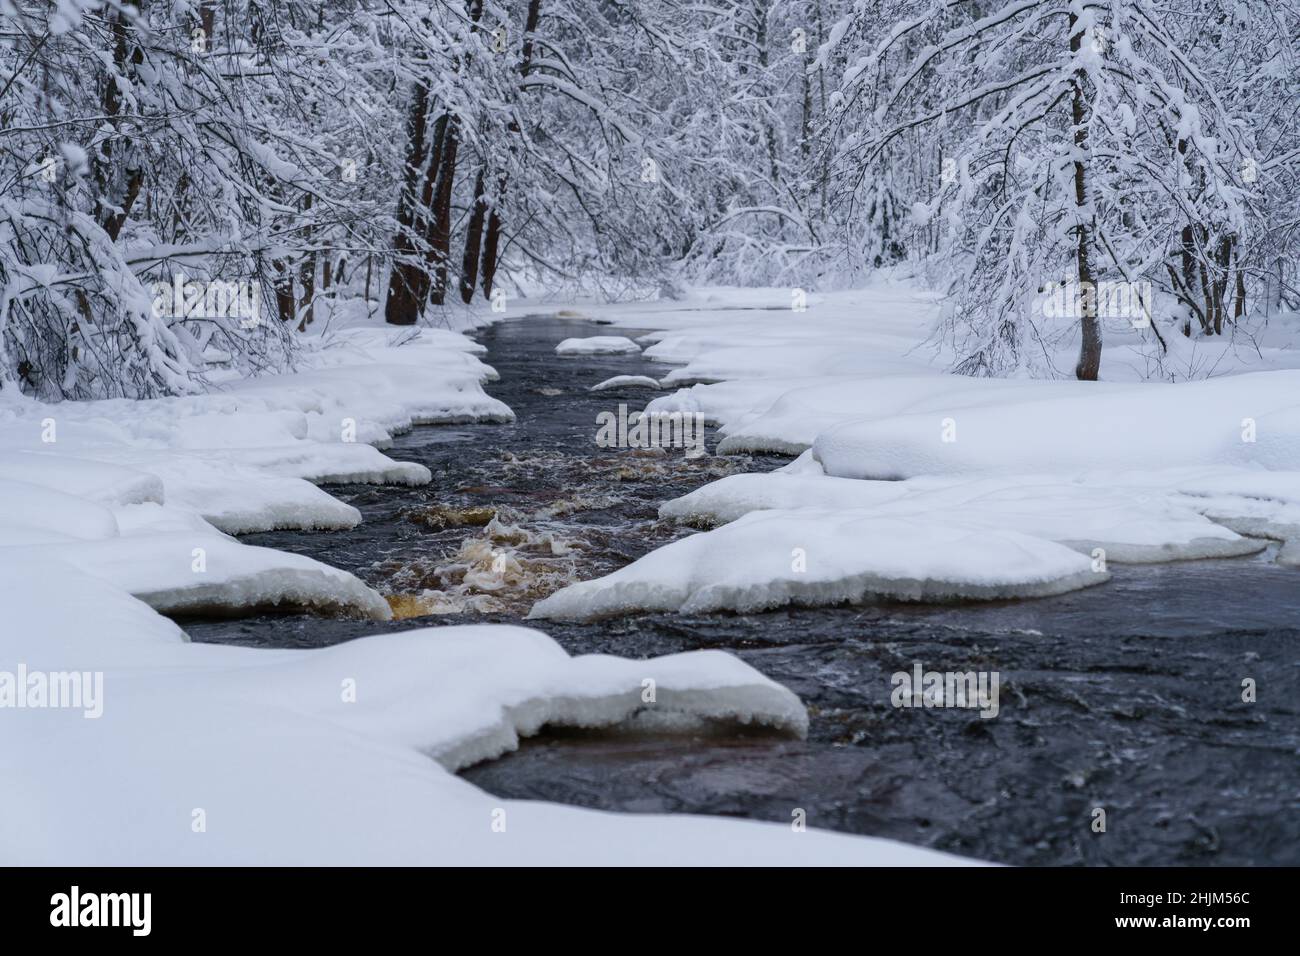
[[1125, 697]]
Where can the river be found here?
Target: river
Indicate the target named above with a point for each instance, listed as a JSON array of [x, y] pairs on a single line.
[[1125, 697]]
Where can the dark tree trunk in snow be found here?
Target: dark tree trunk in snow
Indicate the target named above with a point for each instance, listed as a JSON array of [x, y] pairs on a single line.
[[119, 178], [492, 245], [1239, 309], [438, 234], [404, 303], [1189, 278], [283, 284], [490, 249], [1090, 328], [438, 185], [423, 223], [473, 242], [307, 280]]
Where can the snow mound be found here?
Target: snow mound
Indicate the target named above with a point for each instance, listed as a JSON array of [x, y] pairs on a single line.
[[334, 463], [1135, 524], [185, 727], [1262, 504], [626, 381], [724, 403], [40, 513], [197, 571], [779, 360], [597, 345], [83, 478], [262, 502], [1243, 420], [734, 496], [541, 686], [814, 556], [244, 454], [792, 422]]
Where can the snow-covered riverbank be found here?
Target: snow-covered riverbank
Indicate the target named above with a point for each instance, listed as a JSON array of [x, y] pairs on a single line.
[[220, 754], [918, 485], [163, 483], [195, 753]]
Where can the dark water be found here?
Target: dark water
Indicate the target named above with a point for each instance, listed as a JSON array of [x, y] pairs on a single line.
[[1125, 697]]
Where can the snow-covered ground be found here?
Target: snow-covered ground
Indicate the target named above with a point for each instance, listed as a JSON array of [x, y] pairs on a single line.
[[171, 752], [920, 485], [219, 755], [167, 477], [909, 483]]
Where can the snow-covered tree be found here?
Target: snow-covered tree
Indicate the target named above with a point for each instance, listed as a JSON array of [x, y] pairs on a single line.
[[1089, 143]]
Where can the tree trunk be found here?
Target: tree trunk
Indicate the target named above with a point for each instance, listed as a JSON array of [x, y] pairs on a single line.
[[761, 12], [422, 216], [492, 244], [1189, 278], [473, 242], [438, 235], [1090, 328], [283, 283], [403, 304], [115, 203], [1207, 296], [307, 278], [1239, 307], [1227, 246], [440, 180]]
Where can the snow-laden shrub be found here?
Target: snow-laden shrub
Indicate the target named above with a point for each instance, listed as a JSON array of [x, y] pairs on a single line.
[[146, 146]]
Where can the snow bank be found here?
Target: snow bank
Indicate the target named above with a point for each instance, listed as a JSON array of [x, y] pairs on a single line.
[[791, 423], [197, 572], [40, 513], [1143, 471], [597, 345], [1262, 504], [734, 496], [239, 499], [815, 556], [393, 397], [1133, 523], [730, 336], [724, 403], [94, 480], [214, 755], [1245, 420], [169, 556], [247, 457]]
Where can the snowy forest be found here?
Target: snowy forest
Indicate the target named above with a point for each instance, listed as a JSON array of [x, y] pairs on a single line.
[[406, 157], [650, 432]]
